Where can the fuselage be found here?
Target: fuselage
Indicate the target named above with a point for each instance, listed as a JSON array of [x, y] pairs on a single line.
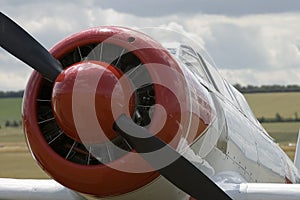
[[235, 141], [234, 147]]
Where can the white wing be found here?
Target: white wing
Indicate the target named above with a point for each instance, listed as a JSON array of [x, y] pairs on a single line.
[[262, 191], [17, 189]]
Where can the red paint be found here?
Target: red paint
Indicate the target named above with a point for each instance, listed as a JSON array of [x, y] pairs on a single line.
[[62, 101], [107, 78]]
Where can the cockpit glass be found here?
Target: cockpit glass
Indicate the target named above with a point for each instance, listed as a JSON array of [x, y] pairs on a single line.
[[166, 37], [189, 57]]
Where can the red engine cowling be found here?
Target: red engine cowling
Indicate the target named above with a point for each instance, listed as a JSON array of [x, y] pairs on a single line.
[[107, 71]]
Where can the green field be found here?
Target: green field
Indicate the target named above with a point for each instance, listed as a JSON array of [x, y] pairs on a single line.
[[11, 135], [268, 104], [16, 161], [10, 109], [283, 133], [286, 104]]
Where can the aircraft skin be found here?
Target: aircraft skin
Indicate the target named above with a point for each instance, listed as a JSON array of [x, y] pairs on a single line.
[[107, 71]]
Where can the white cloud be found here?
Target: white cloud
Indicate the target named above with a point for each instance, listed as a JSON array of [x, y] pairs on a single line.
[[13, 73], [246, 45], [11, 81], [261, 77], [156, 8], [258, 41]]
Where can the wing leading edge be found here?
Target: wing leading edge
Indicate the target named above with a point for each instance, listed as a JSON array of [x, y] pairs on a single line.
[[17, 189], [262, 191]]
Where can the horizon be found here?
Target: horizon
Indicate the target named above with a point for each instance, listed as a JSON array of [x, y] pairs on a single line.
[[235, 85]]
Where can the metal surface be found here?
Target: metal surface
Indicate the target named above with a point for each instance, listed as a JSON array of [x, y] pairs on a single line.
[[20, 189]]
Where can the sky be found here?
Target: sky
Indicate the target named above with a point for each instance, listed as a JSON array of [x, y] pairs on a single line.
[[251, 41]]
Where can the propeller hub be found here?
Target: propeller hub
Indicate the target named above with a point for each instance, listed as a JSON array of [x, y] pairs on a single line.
[[86, 99]]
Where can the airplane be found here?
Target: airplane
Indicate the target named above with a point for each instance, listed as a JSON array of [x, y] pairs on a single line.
[[111, 113]]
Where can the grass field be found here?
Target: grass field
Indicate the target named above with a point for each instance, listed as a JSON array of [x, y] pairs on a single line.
[[268, 104], [16, 161], [283, 133], [10, 109], [286, 104], [11, 135]]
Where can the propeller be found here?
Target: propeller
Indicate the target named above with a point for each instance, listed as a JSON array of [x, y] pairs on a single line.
[[180, 172], [19, 43]]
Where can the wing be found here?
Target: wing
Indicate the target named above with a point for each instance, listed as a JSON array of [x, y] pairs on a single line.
[[262, 191], [18, 189]]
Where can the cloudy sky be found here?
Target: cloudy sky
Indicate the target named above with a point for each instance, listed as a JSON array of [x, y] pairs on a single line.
[[252, 41]]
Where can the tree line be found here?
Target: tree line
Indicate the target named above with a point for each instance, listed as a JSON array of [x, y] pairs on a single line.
[[267, 88], [279, 118], [239, 87], [11, 94]]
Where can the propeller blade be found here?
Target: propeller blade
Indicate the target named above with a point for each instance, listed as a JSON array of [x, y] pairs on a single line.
[[19, 43], [180, 172]]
